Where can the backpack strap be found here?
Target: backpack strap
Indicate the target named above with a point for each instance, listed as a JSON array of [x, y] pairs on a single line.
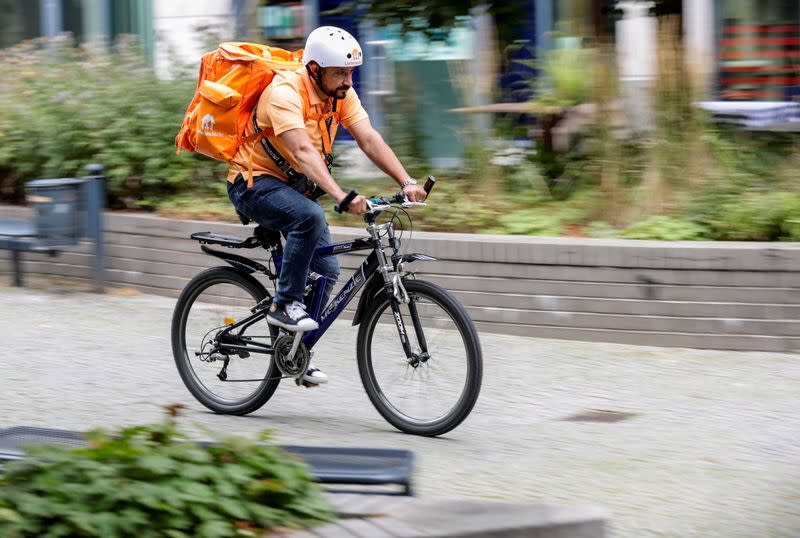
[[274, 154], [325, 122]]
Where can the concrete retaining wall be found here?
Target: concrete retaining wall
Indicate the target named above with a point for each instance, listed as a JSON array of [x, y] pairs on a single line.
[[743, 296], [384, 516]]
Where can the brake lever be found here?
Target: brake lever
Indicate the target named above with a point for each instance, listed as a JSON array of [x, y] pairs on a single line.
[[374, 208]]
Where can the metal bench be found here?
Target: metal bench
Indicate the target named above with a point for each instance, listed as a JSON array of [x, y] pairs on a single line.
[[65, 211], [339, 466]]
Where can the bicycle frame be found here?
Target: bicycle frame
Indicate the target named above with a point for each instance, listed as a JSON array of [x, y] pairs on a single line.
[[338, 303], [376, 262]]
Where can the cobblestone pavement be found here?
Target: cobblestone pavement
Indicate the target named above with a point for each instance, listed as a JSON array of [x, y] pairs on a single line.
[[713, 447]]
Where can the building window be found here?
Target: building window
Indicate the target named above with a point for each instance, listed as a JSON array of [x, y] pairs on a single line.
[[72, 13], [21, 20], [759, 50], [588, 19], [283, 24]]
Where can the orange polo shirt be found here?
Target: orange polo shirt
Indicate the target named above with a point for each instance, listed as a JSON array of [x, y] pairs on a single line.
[[281, 108]]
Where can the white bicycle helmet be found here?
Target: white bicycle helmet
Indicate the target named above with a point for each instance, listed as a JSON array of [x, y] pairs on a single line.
[[330, 46]]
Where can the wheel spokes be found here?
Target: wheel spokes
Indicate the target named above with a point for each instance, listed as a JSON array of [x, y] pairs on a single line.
[[213, 309], [431, 389]]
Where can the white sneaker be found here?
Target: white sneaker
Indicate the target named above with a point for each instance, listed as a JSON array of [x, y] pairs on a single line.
[[292, 317], [315, 376]]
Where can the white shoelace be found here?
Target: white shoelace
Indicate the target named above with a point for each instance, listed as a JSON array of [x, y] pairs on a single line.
[[296, 310]]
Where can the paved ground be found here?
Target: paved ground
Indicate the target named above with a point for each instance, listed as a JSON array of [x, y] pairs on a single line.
[[713, 448]]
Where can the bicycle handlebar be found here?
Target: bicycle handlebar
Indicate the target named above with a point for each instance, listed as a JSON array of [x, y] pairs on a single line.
[[341, 207], [429, 184], [399, 198]]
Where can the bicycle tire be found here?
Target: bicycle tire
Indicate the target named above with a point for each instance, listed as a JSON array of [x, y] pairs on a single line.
[[474, 362], [183, 308]]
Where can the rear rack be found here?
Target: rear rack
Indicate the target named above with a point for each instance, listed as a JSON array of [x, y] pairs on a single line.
[[262, 237], [211, 238]]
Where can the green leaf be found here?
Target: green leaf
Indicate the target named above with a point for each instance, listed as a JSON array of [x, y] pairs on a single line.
[[172, 533], [157, 464], [197, 491], [9, 515], [59, 530], [215, 529], [234, 508]]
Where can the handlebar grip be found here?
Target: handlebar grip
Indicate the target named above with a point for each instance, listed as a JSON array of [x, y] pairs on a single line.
[[341, 207], [429, 184]]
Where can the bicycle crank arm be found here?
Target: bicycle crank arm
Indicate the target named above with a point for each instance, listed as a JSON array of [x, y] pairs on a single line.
[[298, 337]]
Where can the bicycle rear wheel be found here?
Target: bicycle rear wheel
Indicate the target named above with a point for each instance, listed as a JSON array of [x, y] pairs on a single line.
[[212, 300], [432, 394]]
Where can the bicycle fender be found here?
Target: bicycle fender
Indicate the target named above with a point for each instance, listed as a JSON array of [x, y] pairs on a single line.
[[417, 256], [374, 286], [239, 262]]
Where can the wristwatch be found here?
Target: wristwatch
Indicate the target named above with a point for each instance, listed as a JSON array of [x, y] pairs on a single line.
[[409, 181]]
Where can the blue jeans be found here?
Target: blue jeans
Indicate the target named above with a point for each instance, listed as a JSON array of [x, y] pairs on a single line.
[[276, 206]]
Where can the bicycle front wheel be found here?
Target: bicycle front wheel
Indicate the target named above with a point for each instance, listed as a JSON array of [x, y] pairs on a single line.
[[434, 391], [225, 382]]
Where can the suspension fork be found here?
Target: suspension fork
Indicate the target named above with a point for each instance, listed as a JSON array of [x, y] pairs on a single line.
[[401, 328], [393, 288], [423, 343]]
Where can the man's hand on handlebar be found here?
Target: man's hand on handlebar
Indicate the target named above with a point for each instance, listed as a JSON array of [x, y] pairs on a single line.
[[358, 206], [354, 203], [415, 193]]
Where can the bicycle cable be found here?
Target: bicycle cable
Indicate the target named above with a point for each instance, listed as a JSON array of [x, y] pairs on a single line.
[[205, 341], [410, 230], [396, 217]]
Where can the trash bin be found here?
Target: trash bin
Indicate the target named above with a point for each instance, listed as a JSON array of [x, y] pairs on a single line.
[[57, 208]]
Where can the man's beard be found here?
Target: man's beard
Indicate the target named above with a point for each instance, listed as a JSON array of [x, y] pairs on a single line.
[[338, 93]]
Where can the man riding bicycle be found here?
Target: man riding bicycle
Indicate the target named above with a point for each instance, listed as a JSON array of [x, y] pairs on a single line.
[[299, 114]]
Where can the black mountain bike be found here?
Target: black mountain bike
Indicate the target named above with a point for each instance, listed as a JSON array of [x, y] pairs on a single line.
[[423, 377]]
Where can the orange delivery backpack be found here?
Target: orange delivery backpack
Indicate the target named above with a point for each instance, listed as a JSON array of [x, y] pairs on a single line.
[[230, 82]]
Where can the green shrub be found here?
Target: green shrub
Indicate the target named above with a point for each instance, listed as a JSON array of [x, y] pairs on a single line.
[[665, 228], [601, 230], [756, 216], [568, 76], [790, 216], [151, 481], [791, 229], [530, 222], [63, 107]]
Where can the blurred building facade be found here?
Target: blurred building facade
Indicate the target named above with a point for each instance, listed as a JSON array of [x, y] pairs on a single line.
[[738, 49], [84, 19]]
